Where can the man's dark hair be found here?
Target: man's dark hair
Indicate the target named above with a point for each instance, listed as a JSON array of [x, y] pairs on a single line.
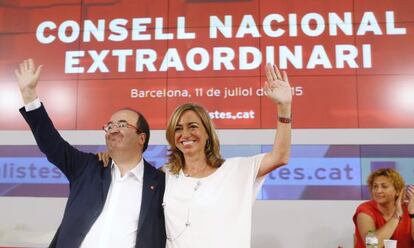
[[142, 125]]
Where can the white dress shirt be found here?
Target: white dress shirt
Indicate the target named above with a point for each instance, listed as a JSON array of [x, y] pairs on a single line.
[[117, 225], [35, 104]]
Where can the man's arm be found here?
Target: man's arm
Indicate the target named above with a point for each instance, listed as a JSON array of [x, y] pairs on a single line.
[[68, 159]]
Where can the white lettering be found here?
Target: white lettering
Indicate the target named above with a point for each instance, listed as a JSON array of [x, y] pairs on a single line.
[[204, 59], [318, 57], [72, 59], [224, 28], [40, 32], [118, 29]]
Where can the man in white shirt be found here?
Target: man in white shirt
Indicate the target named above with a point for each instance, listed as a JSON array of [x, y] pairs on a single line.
[[114, 206]]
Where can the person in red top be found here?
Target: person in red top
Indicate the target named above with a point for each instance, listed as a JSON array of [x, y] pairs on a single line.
[[389, 214]]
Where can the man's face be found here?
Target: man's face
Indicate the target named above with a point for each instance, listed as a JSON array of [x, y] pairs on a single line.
[[124, 138]]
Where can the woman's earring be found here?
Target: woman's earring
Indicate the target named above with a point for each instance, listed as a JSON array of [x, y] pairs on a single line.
[[208, 143]]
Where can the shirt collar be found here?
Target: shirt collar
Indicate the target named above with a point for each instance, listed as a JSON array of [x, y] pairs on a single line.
[[137, 172]]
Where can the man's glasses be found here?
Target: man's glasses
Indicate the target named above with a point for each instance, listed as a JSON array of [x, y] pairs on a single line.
[[108, 127]]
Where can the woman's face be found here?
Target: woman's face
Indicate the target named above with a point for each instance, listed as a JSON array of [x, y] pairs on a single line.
[[383, 190], [190, 134]]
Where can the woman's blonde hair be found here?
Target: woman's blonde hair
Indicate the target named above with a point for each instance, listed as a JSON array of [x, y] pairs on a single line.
[[396, 179], [212, 149]]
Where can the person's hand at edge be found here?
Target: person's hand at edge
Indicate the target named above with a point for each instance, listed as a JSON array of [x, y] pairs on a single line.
[[104, 157]]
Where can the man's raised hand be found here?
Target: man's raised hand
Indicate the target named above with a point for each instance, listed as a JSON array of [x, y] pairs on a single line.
[[27, 77]]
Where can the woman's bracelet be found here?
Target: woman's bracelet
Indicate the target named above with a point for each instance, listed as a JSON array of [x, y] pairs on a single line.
[[285, 120], [398, 217]]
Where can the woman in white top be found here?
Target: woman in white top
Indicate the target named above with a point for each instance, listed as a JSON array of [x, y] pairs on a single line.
[[208, 200]]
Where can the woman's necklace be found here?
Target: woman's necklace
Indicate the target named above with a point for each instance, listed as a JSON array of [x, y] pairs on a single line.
[[199, 173], [187, 222]]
